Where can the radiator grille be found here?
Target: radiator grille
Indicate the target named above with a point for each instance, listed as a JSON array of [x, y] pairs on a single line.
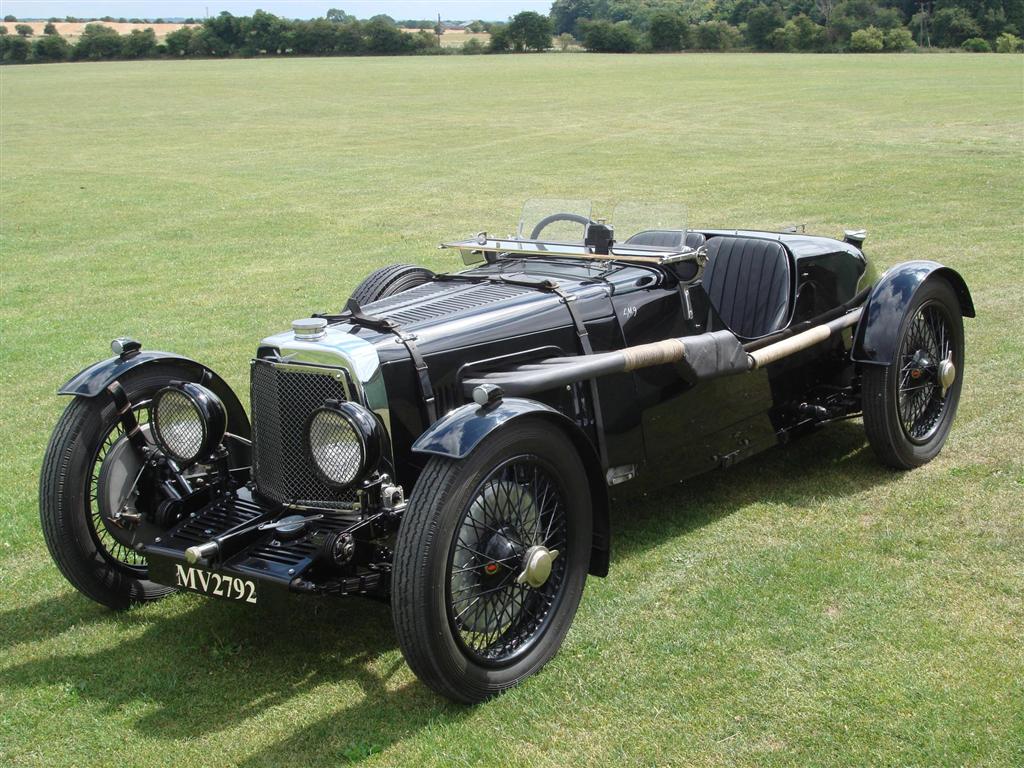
[[282, 401]]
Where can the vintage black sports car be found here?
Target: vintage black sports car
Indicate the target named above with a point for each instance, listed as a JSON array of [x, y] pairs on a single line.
[[448, 442]]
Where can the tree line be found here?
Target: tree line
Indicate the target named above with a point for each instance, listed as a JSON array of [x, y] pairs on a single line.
[[608, 26], [790, 25], [225, 35]]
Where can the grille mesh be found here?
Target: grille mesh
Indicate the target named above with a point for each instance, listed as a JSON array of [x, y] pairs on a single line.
[[282, 401]]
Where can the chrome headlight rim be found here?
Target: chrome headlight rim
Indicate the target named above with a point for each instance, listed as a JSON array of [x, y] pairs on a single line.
[[211, 421], [365, 428]]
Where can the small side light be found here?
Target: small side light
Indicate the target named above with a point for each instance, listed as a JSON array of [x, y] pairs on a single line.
[[855, 237], [487, 394], [125, 347]]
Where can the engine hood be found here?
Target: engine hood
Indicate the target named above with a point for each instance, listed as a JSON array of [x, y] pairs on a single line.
[[503, 300]]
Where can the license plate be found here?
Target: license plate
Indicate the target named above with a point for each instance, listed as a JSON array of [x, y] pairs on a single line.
[[216, 584]]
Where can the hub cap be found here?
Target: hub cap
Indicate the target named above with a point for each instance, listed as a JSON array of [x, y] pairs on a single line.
[[537, 566]]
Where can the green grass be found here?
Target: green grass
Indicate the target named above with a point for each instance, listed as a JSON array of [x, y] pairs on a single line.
[[804, 608]]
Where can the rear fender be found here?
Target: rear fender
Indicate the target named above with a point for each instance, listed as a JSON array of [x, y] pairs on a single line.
[[94, 380], [877, 335], [459, 432]]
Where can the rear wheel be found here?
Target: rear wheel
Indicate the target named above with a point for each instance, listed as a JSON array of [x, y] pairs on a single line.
[[909, 405], [388, 281], [491, 560]]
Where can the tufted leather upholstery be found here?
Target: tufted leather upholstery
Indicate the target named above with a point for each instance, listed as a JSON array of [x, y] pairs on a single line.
[[748, 282], [667, 238]]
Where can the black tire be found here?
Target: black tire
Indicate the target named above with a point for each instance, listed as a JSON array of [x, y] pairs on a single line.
[[899, 441], [387, 281], [98, 569], [424, 564]]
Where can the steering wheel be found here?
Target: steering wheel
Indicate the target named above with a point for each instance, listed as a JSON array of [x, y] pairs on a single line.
[[547, 220]]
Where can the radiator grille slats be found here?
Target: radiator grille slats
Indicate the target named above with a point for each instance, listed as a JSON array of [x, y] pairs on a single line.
[[282, 401]]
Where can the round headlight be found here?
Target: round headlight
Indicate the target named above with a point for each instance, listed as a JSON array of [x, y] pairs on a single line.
[[343, 441], [188, 421]]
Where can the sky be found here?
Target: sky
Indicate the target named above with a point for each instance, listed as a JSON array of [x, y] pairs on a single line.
[[459, 10]]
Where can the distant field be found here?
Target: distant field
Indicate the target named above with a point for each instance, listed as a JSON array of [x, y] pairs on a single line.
[[73, 30], [456, 38], [807, 608]]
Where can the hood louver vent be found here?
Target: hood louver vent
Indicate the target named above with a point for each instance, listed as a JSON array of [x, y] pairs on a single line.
[[434, 300]]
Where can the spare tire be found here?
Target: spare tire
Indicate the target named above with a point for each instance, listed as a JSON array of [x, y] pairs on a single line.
[[387, 281]]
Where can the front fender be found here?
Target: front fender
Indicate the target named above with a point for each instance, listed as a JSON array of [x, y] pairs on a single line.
[[877, 335], [95, 379], [459, 432]]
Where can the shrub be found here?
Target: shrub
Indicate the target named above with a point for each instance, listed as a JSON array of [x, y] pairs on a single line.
[[716, 36], [605, 37], [177, 41], [566, 41], [472, 47], [50, 48], [385, 38], [868, 40], [1008, 43], [9, 17], [899, 39], [139, 44], [976, 45], [50, 29], [98, 42], [3, 30], [530, 31], [666, 31], [952, 26], [799, 34], [13, 49], [762, 21], [500, 40], [25, 30]]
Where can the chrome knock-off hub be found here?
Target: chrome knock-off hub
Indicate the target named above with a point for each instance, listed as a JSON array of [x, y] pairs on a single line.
[[947, 373], [537, 566]]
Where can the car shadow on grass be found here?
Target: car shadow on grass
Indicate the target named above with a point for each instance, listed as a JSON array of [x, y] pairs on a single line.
[[219, 664], [831, 462]]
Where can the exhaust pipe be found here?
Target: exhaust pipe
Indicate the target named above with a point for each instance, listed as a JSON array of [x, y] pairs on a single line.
[[706, 356]]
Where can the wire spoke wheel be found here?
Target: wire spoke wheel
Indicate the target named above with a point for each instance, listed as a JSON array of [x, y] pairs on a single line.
[[517, 516], [491, 558], [909, 403], [921, 396], [109, 545]]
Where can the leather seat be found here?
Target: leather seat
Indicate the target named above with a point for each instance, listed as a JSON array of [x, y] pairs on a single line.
[[748, 281], [667, 238]]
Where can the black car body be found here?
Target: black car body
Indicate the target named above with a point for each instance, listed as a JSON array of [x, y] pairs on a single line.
[[651, 363]]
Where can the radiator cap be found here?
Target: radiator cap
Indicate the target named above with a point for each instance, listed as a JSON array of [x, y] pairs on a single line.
[[309, 328]]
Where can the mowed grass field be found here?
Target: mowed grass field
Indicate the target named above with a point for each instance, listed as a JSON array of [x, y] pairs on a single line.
[[806, 608]]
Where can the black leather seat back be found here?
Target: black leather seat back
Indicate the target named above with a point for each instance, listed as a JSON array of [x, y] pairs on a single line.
[[749, 282], [667, 238]]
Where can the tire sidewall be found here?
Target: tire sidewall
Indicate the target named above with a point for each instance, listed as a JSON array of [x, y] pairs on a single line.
[[530, 438], [940, 293], [64, 493]]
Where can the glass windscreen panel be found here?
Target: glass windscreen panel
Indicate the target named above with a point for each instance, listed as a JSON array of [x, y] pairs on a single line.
[[661, 226]]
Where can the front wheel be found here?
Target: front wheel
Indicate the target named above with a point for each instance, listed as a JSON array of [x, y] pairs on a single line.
[[909, 405], [491, 559]]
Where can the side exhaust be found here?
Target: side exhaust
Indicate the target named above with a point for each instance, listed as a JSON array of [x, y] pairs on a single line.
[[706, 356]]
